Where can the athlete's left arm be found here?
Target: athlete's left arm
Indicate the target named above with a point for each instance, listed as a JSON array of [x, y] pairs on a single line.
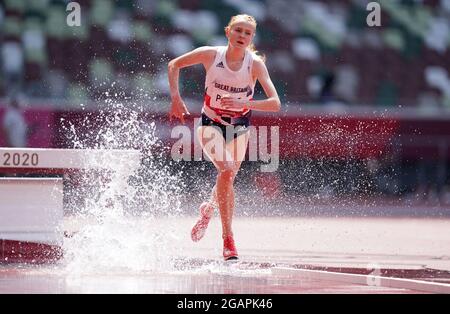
[[272, 102]]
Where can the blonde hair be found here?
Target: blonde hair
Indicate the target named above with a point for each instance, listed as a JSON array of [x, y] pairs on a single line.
[[250, 19]]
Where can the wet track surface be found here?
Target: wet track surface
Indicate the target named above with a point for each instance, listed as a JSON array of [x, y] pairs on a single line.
[[400, 248]]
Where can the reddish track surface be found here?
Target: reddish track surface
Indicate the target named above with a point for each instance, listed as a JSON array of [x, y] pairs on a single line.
[[15, 279], [401, 248]]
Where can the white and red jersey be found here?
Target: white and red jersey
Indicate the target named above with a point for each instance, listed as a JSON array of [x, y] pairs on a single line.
[[221, 81]]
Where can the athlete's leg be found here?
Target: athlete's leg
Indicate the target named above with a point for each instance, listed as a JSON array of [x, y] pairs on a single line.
[[237, 149], [215, 148], [213, 145]]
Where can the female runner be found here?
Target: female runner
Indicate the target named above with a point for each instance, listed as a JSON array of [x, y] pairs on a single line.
[[231, 74]]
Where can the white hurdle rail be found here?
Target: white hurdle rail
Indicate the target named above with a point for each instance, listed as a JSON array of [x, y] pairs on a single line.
[[31, 208], [53, 158]]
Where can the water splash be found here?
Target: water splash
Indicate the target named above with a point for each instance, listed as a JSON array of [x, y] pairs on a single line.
[[117, 210]]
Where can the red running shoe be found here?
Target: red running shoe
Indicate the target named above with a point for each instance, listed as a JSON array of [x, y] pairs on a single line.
[[229, 249], [206, 213]]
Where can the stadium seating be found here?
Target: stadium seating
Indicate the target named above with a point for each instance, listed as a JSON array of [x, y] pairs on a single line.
[[129, 42]]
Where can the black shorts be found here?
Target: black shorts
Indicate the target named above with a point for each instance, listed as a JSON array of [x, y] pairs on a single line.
[[240, 126]]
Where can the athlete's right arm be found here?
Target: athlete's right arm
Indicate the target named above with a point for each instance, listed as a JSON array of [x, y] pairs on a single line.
[[203, 55]]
